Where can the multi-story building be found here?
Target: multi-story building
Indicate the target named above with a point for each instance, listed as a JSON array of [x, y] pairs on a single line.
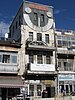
[[65, 42], [33, 27], [10, 81]]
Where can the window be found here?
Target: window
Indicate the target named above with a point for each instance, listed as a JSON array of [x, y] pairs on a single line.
[[6, 59], [31, 36], [59, 42], [42, 17], [31, 58], [35, 16], [64, 43], [39, 58], [47, 38], [14, 59], [59, 64], [65, 66], [31, 88], [48, 59], [39, 37]]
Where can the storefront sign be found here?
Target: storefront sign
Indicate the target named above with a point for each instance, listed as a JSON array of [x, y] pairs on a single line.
[[34, 81], [48, 82], [66, 77], [42, 67]]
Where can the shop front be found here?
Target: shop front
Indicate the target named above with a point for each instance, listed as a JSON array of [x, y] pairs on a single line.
[[10, 86], [66, 82], [36, 88], [33, 88]]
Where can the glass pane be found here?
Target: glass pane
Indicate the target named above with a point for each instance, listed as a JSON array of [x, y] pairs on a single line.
[[47, 38], [30, 58], [48, 59], [14, 59], [39, 37], [60, 42], [39, 59], [31, 36], [42, 17], [31, 90], [35, 16], [6, 59]]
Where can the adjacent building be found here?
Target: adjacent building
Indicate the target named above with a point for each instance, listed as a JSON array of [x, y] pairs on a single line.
[[33, 27], [10, 82], [65, 43]]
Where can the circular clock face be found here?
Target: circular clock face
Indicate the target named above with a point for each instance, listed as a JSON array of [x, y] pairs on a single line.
[[49, 14], [28, 10]]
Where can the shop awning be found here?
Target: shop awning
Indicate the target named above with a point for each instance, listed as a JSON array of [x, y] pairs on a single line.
[[11, 82]]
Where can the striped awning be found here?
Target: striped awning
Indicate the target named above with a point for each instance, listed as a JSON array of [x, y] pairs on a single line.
[[11, 82]]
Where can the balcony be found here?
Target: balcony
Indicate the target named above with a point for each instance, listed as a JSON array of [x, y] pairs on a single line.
[[40, 68], [36, 45], [63, 51], [8, 68]]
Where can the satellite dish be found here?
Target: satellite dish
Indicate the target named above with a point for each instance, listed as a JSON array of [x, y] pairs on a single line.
[[6, 35]]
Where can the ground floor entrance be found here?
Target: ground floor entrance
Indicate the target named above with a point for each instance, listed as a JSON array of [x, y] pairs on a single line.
[[8, 93], [68, 88], [37, 88], [10, 86], [66, 83], [51, 91]]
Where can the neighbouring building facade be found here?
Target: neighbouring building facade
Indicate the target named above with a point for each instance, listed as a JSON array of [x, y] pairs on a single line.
[[10, 82], [65, 43], [33, 27]]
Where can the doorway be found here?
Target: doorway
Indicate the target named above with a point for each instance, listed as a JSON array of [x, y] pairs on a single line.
[[67, 88], [70, 88], [4, 91], [51, 91], [62, 88]]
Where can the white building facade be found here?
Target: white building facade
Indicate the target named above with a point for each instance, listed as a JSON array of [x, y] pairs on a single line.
[[33, 27]]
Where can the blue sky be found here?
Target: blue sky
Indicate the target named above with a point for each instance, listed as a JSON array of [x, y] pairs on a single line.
[[64, 13]]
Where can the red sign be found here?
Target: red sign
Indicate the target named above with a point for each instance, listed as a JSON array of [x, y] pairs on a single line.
[[39, 7]]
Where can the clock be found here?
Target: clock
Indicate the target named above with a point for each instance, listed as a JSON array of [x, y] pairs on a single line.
[[49, 14], [28, 10]]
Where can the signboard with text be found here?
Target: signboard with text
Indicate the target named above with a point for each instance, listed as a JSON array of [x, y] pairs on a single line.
[[42, 67], [68, 77]]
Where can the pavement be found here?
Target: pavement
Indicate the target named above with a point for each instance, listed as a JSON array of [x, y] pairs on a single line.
[[56, 98]]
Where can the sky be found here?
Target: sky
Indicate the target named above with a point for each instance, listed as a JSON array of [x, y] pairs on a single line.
[[63, 10]]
